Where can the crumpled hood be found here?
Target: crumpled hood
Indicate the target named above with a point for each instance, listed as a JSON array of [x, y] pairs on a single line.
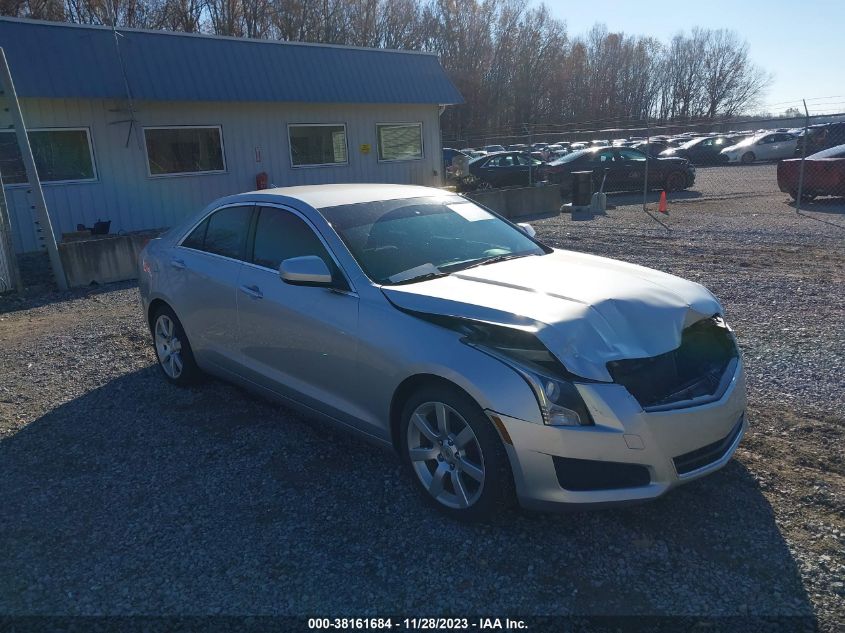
[[587, 310]]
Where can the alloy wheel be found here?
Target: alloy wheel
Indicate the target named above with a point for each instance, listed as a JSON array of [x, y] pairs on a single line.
[[446, 455], [168, 346]]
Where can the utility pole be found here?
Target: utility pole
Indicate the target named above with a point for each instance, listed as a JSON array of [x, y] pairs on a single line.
[[40, 206], [804, 141]]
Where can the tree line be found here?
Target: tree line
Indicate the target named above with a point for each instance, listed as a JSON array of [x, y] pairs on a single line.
[[516, 65]]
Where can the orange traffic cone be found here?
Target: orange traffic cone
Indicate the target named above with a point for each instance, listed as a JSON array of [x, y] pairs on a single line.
[[662, 208]]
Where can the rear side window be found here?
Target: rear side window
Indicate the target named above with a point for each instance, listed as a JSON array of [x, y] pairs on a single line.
[[280, 235], [197, 237], [223, 233]]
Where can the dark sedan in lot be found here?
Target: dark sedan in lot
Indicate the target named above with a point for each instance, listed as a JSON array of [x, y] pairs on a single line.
[[504, 169], [625, 169]]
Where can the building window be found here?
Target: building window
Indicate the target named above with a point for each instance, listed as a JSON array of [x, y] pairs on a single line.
[[399, 141], [61, 155], [317, 144], [184, 150]]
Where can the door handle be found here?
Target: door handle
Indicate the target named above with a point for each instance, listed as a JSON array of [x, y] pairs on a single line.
[[178, 264], [253, 292]]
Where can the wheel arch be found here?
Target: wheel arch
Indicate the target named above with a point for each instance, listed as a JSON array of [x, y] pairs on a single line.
[[405, 390], [154, 306]]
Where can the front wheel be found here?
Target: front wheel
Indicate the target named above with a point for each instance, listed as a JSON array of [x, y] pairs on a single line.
[[455, 455]]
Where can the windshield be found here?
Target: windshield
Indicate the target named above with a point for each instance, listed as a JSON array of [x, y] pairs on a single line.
[[401, 241]]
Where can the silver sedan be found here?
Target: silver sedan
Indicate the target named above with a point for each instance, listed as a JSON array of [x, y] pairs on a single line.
[[498, 368]]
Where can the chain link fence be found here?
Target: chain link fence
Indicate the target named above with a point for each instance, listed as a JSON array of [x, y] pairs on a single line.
[[9, 275], [796, 163]]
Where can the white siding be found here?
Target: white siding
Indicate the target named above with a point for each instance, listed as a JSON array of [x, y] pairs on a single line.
[[132, 200]]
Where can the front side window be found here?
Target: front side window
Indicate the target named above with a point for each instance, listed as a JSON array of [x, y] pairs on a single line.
[[184, 150], [399, 141], [224, 232], [631, 155], [280, 235], [401, 241], [60, 156], [312, 145]]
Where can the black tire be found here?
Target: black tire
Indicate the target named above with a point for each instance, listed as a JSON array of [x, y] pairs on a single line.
[[190, 373], [497, 493], [676, 181], [748, 158]]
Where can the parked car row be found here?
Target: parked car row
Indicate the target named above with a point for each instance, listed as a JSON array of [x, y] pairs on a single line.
[[620, 164]]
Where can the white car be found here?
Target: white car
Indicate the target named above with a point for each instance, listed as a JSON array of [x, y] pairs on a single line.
[[767, 146]]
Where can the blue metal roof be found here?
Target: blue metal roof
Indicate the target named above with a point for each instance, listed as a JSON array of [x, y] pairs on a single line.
[[50, 59]]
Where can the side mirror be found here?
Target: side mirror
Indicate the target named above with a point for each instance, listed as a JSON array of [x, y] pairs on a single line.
[[527, 229], [309, 270]]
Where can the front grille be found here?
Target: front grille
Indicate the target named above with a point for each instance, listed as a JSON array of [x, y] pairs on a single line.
[[586, 474], [706, 455], [693, 370]]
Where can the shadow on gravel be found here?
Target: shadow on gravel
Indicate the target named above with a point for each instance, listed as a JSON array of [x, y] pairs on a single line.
[[822, 205], [622, 198], [41, 295], [142, 498]]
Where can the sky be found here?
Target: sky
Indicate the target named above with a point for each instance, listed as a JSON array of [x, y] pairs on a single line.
[[801, 43]]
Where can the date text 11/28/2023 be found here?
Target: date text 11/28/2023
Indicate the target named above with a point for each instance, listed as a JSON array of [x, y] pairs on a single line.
[[417, 624]]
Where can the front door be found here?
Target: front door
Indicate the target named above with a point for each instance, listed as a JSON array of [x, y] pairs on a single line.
[[298, 341]]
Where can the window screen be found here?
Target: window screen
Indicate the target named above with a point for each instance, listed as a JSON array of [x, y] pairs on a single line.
[[227, 231], [317, 144], [400, 141], [60, 156], [184, 150]]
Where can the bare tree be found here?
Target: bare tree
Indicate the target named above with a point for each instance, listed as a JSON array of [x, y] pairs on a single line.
[[513, 62]]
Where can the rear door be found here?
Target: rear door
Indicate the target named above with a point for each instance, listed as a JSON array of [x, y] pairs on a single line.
[[783, 146], [633, 168], [297, 341], [765, 148], [203, 276], [605, 163]]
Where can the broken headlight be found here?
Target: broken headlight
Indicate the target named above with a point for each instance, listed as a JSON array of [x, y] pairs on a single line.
[[560, 402], [558, 397]]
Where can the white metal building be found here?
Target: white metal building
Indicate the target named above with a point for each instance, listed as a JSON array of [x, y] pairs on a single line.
[[144, 127]]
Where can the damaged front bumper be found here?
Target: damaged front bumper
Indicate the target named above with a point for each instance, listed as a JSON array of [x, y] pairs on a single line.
[[630, 454]]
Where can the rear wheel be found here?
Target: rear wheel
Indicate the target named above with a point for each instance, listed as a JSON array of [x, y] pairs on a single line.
[[748, 158], [676, 181], [175, 357], [454, 454]]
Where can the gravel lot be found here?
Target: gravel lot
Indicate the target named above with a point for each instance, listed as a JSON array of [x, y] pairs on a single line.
[[123, 495]]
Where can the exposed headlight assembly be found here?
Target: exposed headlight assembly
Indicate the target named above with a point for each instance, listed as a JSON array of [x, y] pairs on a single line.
[[559, 400]]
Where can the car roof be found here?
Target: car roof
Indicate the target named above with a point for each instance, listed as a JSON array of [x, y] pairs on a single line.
[[322, 196]]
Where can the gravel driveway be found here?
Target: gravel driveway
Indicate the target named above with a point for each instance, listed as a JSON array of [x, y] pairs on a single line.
[[123, 495]]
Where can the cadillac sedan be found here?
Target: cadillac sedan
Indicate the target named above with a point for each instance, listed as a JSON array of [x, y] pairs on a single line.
[[498, 368]]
